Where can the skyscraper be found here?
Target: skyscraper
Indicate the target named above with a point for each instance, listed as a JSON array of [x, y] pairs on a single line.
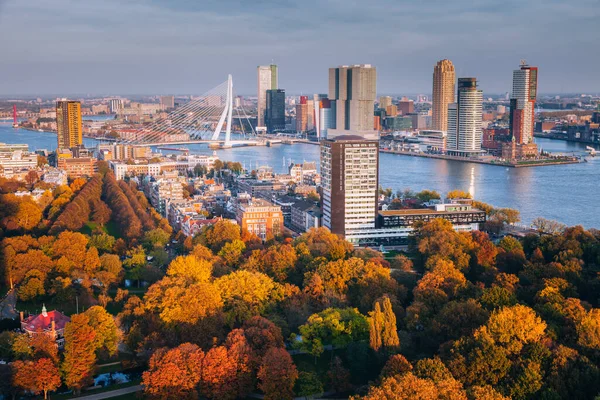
[[522, 103], [443, 93], [275, 114], [353, 89], [68, 123], [464, 120], [385, 102], [267, 79], [302, 114], [350, 154]]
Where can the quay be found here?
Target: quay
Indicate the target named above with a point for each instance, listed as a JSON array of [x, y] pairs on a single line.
[[522, 164]]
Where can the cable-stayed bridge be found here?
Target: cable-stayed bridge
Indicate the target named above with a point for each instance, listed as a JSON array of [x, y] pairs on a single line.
[[202, 120]]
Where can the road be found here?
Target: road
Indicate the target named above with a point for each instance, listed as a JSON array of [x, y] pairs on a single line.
[[112, 393]]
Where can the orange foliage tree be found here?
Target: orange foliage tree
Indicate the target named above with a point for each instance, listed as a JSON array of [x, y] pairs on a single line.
[[277, 375]]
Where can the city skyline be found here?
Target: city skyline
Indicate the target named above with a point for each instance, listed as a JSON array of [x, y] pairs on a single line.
[[191, 47]]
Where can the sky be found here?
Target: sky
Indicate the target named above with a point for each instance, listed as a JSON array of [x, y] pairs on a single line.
[[189, 46]]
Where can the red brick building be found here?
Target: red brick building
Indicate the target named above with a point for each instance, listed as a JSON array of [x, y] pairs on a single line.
[[48, 323]]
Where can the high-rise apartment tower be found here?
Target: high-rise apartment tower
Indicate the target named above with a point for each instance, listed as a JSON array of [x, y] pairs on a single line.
[[522, 103], [443, 93], [68, 123]]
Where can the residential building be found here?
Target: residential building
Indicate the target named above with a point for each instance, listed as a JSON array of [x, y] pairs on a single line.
[[13, 160], [385, 102], [443, 94], [55, 176], [301, 173], [163, 191], [522, 103], [260, 217], [302, 115], [115, 105], [352, 90], [68, 123], [267, 79], [464, 120], [406, 106], [47, 323], [275, 110], [167, 102], [78, 167], [304, 215], [349, 181], [391, 110]]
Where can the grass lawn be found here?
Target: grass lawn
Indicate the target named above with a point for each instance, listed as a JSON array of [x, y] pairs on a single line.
[[306, 362], [112, 228]]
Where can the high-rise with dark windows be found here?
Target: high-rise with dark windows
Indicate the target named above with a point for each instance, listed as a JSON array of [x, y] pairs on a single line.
[[275, 113]]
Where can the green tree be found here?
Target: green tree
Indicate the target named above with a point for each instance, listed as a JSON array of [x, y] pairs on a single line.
[[333, 326], [107, 333], [308, 385]]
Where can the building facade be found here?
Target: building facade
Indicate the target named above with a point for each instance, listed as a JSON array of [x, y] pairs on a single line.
[[260, 217], [349, 181], [267, 80], [68, 123], [352, 90], [522, 104], [275, 110], [444, 79], [167, 102], [302, 115], [464, 120]]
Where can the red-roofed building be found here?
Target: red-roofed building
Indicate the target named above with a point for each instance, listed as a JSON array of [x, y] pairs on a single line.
[[192, 225], [50, 323]]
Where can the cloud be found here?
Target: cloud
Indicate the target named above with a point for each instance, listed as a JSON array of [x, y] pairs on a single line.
[[188, 46]]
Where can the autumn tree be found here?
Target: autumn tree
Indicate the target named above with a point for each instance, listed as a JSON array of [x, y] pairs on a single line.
[[219, 374], [175, 300], [246, 294], [175, 373], [107, 333], [277, 375], [458, 194], [221, 233], [80, 352], [39, 376], [191, 268]]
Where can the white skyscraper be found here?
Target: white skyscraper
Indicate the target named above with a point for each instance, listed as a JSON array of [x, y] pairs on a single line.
[[464, 120], [267, 79]]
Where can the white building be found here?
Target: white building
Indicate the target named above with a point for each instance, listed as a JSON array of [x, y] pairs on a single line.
[[464, 120], [267, 79]]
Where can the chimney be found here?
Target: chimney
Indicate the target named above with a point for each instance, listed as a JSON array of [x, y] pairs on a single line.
[[21, 316], [53, 326]]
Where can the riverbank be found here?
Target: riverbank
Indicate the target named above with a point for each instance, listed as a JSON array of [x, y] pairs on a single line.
[[521, 164]]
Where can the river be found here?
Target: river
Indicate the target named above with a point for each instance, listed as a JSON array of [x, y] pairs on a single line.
[[566, 193]]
